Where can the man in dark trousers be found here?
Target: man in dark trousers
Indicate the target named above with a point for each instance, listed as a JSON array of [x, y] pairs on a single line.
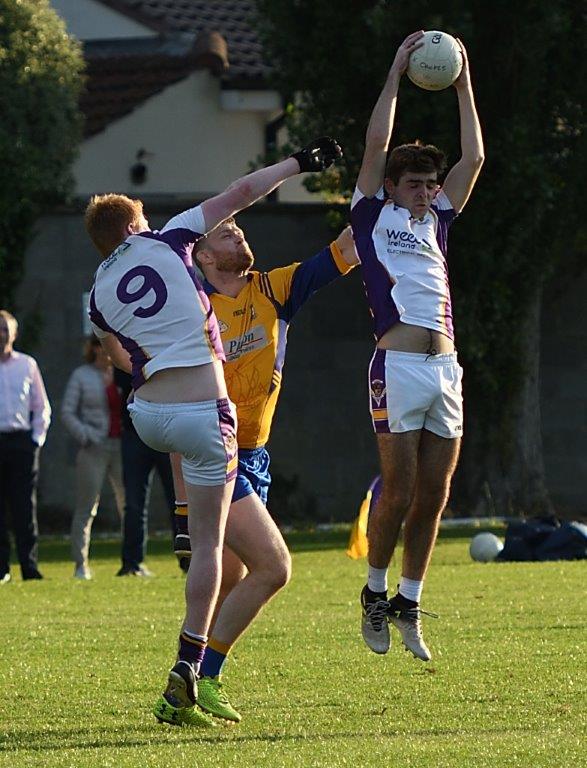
[[138, 465], [25, 415]]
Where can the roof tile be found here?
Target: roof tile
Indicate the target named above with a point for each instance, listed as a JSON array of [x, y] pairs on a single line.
[[232, 18]]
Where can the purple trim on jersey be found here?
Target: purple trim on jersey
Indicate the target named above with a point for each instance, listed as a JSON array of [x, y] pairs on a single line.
[[376, 279], [180, 240], [378, 392], [228, 428], [282, 327], [446, 216], [95, 316], [212, 327], [138, 357]]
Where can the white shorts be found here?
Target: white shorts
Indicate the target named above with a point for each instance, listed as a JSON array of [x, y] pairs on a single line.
[[410, 391], [204, 433]]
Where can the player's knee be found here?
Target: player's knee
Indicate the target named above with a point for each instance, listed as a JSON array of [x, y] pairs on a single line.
[[432, 499], [233, 573], [279, 574], [395, 501], [228, 583], [285, 570]]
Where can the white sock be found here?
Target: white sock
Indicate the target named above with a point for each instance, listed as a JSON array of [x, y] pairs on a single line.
[[377, 580], [411, 589]]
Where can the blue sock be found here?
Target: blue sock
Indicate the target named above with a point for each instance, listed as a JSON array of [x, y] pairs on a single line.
[[214, 658]]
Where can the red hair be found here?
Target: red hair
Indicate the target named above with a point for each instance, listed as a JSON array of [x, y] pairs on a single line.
[[107, 218]]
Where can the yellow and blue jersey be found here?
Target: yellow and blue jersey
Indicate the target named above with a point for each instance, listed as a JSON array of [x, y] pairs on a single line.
[[253, 328]]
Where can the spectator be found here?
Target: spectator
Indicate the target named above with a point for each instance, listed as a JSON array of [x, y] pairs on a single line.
[[91, 413], [138, 463], [25, 415]]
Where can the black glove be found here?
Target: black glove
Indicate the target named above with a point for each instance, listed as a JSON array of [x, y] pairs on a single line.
[[319, 155]]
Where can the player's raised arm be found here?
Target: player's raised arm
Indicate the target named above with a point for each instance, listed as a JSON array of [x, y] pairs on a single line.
[[381, 123], [316, 156], [346, 246], [461, 179]]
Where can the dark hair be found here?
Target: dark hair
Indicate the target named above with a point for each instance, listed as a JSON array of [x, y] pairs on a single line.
[[90, 347], [417, 158]]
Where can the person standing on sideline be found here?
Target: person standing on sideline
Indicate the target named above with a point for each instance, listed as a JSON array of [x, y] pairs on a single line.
[[254, 311], [25, 415], [400, 218], [155, 320], [91, 413], [139, 462]]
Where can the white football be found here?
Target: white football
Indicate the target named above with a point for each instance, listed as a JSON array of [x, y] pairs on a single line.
[[485, 547], [437, 64]]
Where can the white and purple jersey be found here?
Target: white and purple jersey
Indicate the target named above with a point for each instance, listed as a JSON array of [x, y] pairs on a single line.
[[146, 293], [403, 262]]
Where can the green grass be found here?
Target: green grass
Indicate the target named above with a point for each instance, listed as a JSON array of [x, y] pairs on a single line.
[[81, 664]]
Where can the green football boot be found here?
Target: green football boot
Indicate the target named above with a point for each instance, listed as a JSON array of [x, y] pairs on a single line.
[[177, 705], [212, 699]]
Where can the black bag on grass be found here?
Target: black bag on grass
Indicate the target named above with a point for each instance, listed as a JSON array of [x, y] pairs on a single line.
[[544, 539]]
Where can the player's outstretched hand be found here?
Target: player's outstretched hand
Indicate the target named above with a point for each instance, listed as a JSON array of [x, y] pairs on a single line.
[[409, 45], [318, 155], [464, 79]]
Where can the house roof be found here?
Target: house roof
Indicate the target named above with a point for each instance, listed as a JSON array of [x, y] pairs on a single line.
[[193, 34], [233, 19], [121, 74]]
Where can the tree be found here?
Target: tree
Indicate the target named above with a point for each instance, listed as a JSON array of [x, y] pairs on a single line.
[[40, 80], [528, 71]]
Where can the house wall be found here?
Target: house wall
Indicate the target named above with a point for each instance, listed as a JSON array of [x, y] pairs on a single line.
[[90, 20], [195, 147]]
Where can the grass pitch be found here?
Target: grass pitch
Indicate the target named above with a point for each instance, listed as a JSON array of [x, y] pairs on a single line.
[[81, 664]]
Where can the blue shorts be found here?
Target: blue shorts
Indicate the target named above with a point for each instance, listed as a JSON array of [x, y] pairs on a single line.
[[252, 474]]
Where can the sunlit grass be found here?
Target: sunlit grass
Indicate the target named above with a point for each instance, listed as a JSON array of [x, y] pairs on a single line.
[[82, 663]]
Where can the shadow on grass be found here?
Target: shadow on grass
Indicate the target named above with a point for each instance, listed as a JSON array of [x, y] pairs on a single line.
[[53, 550], [56, 550], [122, 737], [310, 540]]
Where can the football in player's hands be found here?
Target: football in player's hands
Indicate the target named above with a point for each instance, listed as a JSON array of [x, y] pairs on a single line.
[[318, 155]]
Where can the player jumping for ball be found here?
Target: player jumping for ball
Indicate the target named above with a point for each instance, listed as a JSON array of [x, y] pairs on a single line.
[[400, 218], [153, 317]]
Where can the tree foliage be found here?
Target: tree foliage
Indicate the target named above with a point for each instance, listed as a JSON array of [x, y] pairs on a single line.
[[523, 221], [40, 79]]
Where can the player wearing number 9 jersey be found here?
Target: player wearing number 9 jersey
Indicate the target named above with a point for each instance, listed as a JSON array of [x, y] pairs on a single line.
[[154, 320], [148, 291]]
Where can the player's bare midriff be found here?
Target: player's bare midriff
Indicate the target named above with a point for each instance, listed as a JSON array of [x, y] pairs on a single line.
[[185, 385], [413, 338]]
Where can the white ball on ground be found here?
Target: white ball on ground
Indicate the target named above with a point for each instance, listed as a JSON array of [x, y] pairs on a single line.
[[485, 547], [437, 64]]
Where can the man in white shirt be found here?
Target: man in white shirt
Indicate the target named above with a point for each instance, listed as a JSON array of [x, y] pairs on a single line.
[[400, 217], [25, 415]]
